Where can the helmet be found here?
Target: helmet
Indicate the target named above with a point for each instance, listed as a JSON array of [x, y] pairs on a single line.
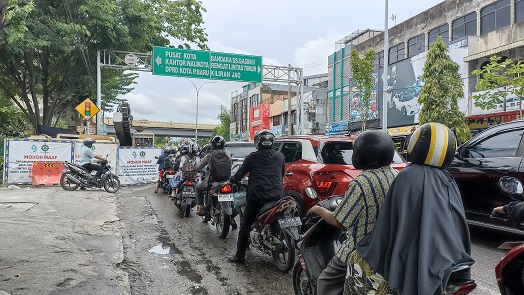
[[432, 144], [184, 150], [193, 148], [264, 139], [89, 142], [372, 149], [166, 151], [218, 142], [172, 151]]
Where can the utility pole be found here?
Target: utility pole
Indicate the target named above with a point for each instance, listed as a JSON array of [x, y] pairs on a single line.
[[385, 83], [289, 126]]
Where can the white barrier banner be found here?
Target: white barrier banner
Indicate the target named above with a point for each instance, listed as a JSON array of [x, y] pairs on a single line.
[[20, 155], [137, 165], [107, 150]]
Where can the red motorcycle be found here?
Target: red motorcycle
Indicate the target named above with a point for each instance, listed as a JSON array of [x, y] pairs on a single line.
[[276, 230], [510, 270]]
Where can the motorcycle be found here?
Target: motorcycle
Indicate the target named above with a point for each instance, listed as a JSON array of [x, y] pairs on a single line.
[[165, 182], [185, 200], [316, 247], [219, 207], [275, 231], [321, 241], [510, 270], [75, 176]]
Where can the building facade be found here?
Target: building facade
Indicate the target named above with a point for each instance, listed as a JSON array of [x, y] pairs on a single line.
[[475, 30]]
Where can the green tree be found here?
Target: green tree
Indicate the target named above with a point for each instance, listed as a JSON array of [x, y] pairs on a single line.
[[48, 59], [225, 122], [443, 86], [498, 80], [362, 68], [12, 121]]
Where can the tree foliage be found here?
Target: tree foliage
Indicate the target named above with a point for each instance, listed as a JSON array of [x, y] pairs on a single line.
[[443, 86], [48, 59], [362, 68], [498, 80], [13, 123], [225, 122]]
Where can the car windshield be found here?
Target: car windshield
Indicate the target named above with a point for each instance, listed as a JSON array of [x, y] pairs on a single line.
[[341, 153], [239, 151]]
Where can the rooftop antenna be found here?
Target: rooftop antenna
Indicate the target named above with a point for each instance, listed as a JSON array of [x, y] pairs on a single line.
[[393, 18]]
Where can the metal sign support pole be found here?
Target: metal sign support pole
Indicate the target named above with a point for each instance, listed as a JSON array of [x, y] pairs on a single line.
[[98, 93]]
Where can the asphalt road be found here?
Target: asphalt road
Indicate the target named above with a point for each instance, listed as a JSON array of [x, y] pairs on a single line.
[[136, 242]]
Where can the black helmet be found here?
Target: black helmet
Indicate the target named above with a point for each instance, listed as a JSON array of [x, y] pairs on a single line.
[[172, 151], [184, 150], [432, 144], [89, 142], [264, 139], [372, 149], [166, 151], [218, 142]]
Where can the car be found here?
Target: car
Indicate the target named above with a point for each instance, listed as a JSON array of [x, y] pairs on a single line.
[[479, 164], [406, 102], [321, 163], [238, 150]]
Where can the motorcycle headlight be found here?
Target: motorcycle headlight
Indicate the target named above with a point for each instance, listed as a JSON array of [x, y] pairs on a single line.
[[312, 193]]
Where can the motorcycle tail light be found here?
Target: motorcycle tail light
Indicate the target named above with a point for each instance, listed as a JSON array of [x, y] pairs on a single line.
[[461, 289], [226, 189], [170, 172], [189, 183]]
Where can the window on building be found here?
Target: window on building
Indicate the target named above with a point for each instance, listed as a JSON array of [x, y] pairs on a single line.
[[464, 26], [396, 53], [277, 120], [254, 100], [495, 16], [416, 45], [380, 59], [442, 31], [519, 10]]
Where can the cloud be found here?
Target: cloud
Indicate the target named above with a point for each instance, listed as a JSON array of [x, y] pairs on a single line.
[[312, 56]]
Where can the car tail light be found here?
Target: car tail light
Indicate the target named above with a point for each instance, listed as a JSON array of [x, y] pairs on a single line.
[[325, 187], [226, 189], [189, 183]]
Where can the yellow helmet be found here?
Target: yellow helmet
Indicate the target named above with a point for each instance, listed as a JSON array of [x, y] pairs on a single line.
[[432, 144]]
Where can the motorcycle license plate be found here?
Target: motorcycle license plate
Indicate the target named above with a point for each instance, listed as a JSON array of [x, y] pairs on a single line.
[[188, 194], [225, 197], [169, 176], [288, 222]]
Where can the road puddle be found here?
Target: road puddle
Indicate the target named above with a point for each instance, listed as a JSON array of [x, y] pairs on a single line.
[[162, 249], [151, 219]]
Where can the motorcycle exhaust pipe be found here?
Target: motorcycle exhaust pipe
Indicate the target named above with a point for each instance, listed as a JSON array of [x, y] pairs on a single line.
[[73, 179]]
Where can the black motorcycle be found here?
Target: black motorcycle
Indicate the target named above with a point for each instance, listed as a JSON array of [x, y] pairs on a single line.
[[75, 176], [165, 181], [219, 207], [185, 200]]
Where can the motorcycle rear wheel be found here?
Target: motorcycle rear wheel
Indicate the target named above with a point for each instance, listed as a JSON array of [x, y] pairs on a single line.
[[187, 209], [66, 184], [223, 221], [285, 259], [301, 283], [111, 184]]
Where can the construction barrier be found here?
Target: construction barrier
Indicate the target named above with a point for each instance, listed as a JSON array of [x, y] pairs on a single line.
[[47, 173]]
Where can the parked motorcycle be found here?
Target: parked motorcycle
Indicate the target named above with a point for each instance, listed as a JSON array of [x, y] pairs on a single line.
[[276, 230], [316, 247], [219, 206], [75, 176], [510, 270], [185, 200]]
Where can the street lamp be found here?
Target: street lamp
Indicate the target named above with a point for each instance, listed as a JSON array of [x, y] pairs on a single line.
[[197, 92]]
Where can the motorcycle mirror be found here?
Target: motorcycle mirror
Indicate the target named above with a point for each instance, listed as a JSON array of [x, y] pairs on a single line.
[[511, 185]]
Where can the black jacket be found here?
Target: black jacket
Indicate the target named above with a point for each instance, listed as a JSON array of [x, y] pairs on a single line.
[[515, 210], [266, 171]]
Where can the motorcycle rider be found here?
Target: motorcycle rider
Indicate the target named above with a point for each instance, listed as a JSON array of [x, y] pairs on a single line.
[[87, 155], [266, 171], [217, 143], [358, 210], [185, 171], [421, 232], [160, 160]]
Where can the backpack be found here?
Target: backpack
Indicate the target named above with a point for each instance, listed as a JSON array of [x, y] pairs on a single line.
[[219, 166], [188, 169], [167, 163]]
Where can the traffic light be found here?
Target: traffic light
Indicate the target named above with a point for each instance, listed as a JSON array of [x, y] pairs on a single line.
[[87, 109]]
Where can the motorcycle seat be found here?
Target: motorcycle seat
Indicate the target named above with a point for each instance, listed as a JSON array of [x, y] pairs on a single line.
[[267, 206]]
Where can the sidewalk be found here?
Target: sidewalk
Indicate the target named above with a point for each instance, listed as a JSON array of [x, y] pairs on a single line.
[[58, 242]]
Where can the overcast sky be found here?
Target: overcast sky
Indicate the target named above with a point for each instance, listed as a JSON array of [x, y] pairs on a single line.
[[296, 32]]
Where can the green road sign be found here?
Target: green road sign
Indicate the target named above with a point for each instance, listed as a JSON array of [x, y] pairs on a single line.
[[206, 64]]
